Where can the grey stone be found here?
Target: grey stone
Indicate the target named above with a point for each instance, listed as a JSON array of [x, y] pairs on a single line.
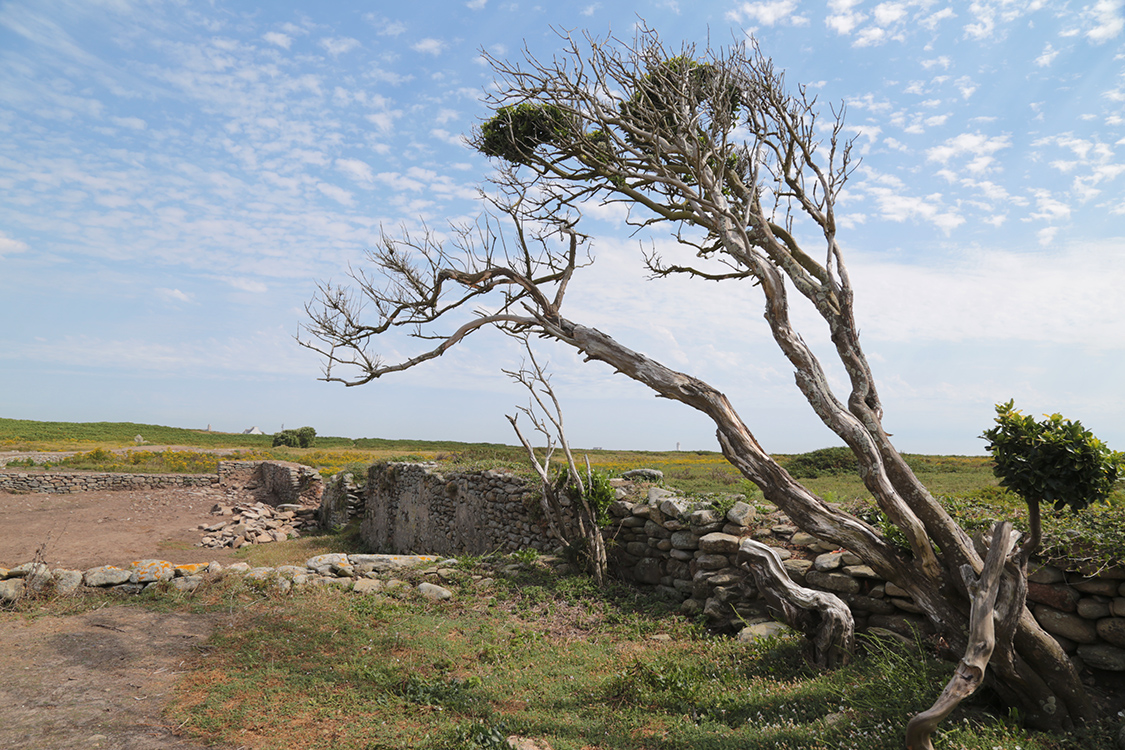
[[648, 570], [682, 554], [691, 607], [1117, 607], [801, 539], [1100, 586], [712, 562], [895, 590], [434, 592], [187, 583], [741, 514], [860, 571], [685, 540], [655, 495], [1046, 574], [1056, 596], [644, 475], [1066, 624], [797, 569], [833, 582], [761, 630], [11, 589], [828, 561], [907, 605], [67, 581], [1103, 656], [719, 543], [368, 586], [238, 567], [673, 507], [1090, 608], [704, 517], [1112, 629], [106, 575], [322, 564]]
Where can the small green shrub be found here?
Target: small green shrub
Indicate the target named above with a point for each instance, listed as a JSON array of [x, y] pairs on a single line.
[[825, 462], [302, 437], [1055, 461]]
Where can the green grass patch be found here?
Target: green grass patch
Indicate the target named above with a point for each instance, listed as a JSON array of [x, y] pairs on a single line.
[[522, 651]]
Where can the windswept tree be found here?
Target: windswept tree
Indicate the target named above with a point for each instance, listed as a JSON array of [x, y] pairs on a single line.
[[714, 147]]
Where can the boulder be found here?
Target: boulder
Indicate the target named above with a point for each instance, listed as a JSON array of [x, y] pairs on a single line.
[[1066, 624], [11, 589], [106, 575]]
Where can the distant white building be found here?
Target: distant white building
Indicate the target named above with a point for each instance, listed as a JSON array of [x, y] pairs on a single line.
[[253, 431]]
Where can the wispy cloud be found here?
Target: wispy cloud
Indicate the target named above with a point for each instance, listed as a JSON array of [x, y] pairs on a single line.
[[277, 38], [1105, 20], [337, 46], [429, 46]]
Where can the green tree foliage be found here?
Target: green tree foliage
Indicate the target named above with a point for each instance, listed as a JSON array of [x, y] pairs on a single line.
[[1056, 461], [514, 132], [302, 437]]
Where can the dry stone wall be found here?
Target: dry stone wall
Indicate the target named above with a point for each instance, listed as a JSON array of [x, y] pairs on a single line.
[[274, 482], [686, 552], [60, 483], [412, 507]]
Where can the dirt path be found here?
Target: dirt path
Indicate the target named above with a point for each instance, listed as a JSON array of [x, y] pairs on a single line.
[[96, 680], [100, 679]]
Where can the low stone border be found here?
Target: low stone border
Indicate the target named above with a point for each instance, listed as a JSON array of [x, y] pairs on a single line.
[[360, 573]]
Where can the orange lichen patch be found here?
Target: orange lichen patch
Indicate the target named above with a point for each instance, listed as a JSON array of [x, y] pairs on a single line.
[[149, 571], [190, 569]]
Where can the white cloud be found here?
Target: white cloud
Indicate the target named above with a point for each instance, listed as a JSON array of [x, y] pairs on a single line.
[[896, 204], [1000, 295], [360, 171], [384, 121], [10, 246], [429, 46], [1107, 20], [245, 284], [133, 123], [476, 4], [589, 10], [336, 193], [931, 22], [975, 145], [173, 295], [769, 13], [337, 46], [1050, 208], [279, 39], [1047, 57]]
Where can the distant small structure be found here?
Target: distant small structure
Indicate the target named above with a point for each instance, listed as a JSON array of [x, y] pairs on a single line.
[[138, 439], [208, 426], [253, 431]]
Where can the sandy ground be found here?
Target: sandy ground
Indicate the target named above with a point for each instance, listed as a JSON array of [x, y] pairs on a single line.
[[96, 680], [99, 679], [87, 529]]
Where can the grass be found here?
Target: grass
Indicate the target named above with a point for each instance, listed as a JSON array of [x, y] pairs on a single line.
[[520, 650]]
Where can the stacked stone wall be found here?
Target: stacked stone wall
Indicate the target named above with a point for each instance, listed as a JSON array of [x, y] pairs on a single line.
[[62, 483], [274, 482], [411, 507], [686, 551]]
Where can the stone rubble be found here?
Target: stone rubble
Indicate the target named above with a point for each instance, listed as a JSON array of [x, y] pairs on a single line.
[[257, 523]]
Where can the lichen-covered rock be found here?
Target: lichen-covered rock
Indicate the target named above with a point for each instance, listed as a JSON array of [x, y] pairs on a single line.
[[106, 575], [151, 571], [67, 581]]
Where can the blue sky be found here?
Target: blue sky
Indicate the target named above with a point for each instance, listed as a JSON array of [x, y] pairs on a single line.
[[176, 176]]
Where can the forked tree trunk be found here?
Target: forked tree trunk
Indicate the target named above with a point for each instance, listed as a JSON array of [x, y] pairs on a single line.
[[824, 618], [1034, 674]]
